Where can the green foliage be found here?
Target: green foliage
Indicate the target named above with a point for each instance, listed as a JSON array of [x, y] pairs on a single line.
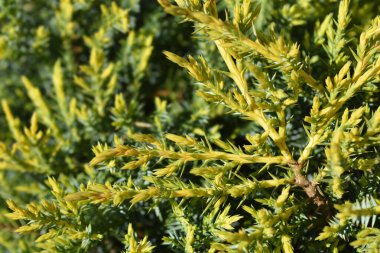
[[275, 148]]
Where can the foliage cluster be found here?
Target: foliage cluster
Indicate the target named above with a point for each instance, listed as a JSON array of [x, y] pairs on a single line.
[[267, 140]]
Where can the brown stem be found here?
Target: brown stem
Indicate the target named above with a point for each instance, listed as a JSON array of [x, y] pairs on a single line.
[[312, 189]]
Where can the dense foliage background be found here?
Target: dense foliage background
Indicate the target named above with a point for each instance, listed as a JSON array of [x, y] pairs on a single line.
[[266, 140]]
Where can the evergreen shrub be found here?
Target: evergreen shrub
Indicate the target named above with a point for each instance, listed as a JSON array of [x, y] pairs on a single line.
[[190, 126]]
